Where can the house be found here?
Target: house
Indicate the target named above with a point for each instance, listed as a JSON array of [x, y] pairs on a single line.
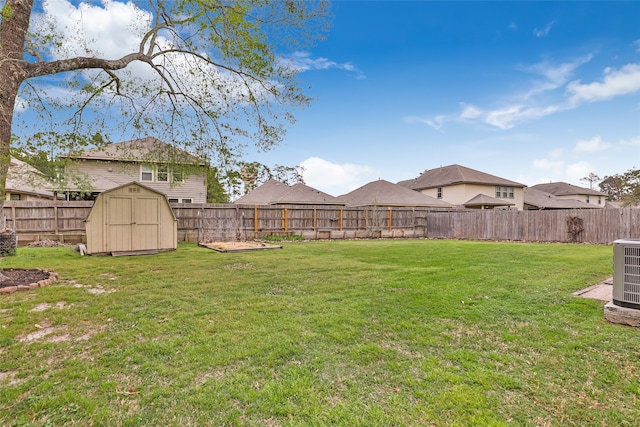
[[538, 200], [174, 172], [384, 193], [24, 182], [468, 188], [275, 192], [563, 190]]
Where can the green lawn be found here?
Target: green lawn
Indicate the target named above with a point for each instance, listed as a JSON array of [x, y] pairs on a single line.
[[353, 333]]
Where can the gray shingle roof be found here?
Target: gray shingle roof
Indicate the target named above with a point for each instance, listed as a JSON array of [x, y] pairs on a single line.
[[24, 178], [275, 192], [147, 149], [385, 193], [564, 189], [543, 200], [484, 200], [455, 174]]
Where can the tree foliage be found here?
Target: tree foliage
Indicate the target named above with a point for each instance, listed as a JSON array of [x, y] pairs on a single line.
[[210, 76], [591, 179], [623, 187]]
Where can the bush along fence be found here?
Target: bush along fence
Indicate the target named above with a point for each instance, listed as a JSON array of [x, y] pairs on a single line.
[[65, 221]]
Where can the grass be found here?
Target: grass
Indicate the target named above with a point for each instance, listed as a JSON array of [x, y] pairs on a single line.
[[354, 333]]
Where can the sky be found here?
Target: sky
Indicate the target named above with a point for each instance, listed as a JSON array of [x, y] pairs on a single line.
[[528, 91]]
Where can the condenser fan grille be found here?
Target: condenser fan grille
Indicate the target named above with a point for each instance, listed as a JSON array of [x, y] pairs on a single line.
[[626, 273]]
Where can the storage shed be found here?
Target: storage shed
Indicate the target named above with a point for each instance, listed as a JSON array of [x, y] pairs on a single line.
[[131, 219]]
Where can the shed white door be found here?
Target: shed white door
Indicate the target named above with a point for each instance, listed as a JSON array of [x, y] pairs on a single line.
[[133, 223]]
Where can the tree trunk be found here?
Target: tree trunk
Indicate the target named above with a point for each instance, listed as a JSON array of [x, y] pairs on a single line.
[[13, 31]]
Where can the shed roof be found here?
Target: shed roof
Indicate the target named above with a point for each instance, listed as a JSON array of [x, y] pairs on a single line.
[[275, 192], [385, 193], [564, 189], [148, 149], [484, 200], [455, 174], [543, 200]]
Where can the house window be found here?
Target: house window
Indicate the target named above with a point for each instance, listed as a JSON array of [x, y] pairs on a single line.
[[587, 198], [176, 177], [173, 200], [599, 200], [14, 197], [186, 200], [146, 173], [439, 192], [504, 192], [163, 174]]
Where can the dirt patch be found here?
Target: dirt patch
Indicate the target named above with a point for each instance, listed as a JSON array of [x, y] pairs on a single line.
[[19, 276], [238, 246]]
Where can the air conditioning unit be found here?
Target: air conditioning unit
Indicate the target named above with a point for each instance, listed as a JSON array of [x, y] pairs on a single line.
[[626, 273]]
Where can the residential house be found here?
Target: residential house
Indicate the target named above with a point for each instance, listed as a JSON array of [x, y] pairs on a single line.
[[538, 200], [562, 190], [468, 188], [275, 192], [383, 193], [174, 172], [24, 182]]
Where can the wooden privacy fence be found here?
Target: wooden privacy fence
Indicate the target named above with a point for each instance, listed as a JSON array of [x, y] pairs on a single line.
[[35, 220]]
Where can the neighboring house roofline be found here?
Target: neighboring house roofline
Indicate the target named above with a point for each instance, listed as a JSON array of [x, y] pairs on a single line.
[[387, 194], [142, 150], [275, 192], [560, 188], [453, 175], [484, 200], [542, 200]]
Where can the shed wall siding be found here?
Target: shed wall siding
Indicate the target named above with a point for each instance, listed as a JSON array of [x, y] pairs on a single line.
[[131, 218]]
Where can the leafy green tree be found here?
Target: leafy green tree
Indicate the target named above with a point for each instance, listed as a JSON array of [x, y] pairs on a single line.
[[624, 187], [216, 192], [591, 179], [205, 75], [613, 186]]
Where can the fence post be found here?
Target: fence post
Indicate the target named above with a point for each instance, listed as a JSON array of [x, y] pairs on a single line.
[[315, 220], [389, 216], [55, 219], [285, 219], [340, 219], [255, 220]]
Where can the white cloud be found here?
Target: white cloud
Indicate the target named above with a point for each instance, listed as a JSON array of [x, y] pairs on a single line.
[[302, 61], [508, 117], [470, 111], [578, 170], [549, 164], [552, 162], [591, 145], [633, 141], [615, 83], [335, 179], [558, 74], [544, 31], [556, 153], [531, 104], [109, 30]]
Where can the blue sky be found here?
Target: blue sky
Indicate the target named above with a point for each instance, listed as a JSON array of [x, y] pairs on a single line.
[[529, 91]]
